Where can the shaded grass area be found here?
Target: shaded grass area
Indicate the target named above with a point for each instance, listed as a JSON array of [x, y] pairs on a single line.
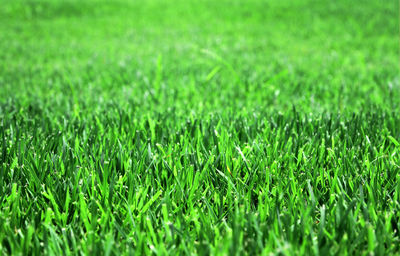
[[199, 127]]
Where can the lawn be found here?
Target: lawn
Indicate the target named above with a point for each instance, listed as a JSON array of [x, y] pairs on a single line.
[[198, 127]]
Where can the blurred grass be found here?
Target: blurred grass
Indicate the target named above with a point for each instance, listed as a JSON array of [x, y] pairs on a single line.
[[318, 55]]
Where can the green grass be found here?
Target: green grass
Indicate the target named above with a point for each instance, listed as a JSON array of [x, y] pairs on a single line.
[[199, 127]]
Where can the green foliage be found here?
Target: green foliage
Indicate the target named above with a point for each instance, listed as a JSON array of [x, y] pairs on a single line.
[[199, 127]]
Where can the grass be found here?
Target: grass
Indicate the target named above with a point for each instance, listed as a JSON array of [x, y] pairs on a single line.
[[199, 127]]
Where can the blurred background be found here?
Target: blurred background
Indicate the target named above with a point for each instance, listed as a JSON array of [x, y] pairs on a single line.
[[200, 56]]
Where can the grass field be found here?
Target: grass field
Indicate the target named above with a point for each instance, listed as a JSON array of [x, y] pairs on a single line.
[[199, 127]]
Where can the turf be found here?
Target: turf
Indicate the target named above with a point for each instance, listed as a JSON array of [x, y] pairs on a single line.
[[199, 127]]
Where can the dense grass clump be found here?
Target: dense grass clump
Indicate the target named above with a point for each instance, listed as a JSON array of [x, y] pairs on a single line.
[[199, 127]]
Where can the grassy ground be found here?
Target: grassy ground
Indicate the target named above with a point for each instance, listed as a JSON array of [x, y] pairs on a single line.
[[199, 127]]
